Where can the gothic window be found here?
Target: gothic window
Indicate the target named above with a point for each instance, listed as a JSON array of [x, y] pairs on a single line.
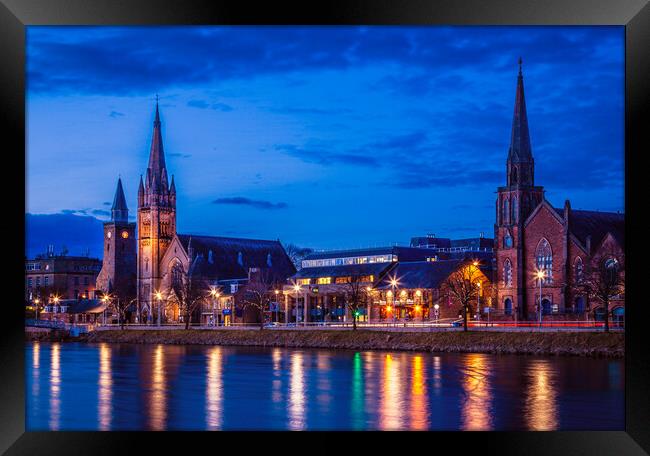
[[514, 210], [507, 241], [506, 210], [578, 269], [514, 175], [612, 264], [507, 273], [544, 260], [177, 275]]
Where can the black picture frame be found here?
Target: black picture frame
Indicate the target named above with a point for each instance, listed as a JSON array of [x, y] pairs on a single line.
[[633, 14]]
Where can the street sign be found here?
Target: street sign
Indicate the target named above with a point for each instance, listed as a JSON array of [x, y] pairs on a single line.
[[226, 311]]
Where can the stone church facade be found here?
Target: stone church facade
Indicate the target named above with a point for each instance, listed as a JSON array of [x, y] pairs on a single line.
[[531, 235], [147, 258]]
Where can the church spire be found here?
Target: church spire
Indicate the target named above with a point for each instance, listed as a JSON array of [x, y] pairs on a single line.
[[520, 165], [157, 153], [520, 150], [119, 211]]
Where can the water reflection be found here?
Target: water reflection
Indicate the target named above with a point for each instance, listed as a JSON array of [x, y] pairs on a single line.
[[158, 398], [36, 370], [475, 408], [324, 396], [540, 411], [357, 391], [297, 393], [55, 386], [214, 389], [276, 392], [105, 390], [437, 374], [391, 396], [419, 403]]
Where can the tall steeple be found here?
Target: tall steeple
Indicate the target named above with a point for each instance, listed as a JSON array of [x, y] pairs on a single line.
[[157, 153], [520, 164], [119, 211]]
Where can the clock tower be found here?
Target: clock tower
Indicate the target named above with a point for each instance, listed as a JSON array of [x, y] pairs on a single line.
[[156, 220], [117, 276]]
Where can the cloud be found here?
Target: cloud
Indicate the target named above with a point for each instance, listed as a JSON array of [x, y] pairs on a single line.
[[101, 212], [202, 104], [107, 203], [176, 154], [115, 114], [242, 201], [326, 157]]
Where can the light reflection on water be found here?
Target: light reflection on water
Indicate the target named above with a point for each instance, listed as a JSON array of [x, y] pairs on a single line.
[[153, 387]]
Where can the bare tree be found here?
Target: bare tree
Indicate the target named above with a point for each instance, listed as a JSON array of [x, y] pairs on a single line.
[[189, 292], [120, 305], [258, 292], [356, 294], [603, 282], [296, 254], [462, 286]]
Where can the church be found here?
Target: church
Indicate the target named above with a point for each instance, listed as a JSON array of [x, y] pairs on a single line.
[[533, 237], [148, 253]]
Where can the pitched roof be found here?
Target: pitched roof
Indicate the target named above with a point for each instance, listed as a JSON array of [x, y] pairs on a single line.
[[119, 210], [85, 306], [374, 269], [222, 258], [595, 223], [520, 150], [407, 253], [420, 274]]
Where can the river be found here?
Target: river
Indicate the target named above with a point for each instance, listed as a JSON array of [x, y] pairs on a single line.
[[77, 386]]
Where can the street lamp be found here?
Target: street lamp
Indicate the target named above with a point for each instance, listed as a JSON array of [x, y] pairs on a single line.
[[277, 306], [213, 293], [296, 288], [436, 309], [159, 297], [478, 301], [393, 285], [105, 299], [368, 303], [540, 276]]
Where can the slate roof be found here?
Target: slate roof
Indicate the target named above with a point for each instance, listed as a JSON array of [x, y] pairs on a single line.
[[84, 306], [520, 150], [375, 269], [232, 257], [119, 210], [420, 274], [595, 223]]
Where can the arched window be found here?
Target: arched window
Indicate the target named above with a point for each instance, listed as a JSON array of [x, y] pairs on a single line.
[[506, 210], [507, 306], [544, 260], [507, 273], [514, 176], [507, 241], [177, 274], [578, 268], [515, 215], [612, 264]]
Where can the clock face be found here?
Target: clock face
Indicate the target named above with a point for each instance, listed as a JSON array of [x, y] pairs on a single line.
[[125, 234], [109, 234]]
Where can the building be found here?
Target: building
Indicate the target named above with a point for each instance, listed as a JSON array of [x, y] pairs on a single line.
[[397, 283], [534, 236], [62, 276], [117, 277], [163, 257]]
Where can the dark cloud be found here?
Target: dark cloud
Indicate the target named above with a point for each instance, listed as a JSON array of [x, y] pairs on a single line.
[[176, 154], [133, 60], [242, 201], [115, 114], [101, 212], [202, 104], [107, 203]]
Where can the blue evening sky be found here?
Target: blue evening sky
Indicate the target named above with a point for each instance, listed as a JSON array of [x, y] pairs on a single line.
[[326, 137]]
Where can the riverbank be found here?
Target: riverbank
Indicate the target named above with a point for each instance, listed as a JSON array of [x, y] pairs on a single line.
[[596, 344]]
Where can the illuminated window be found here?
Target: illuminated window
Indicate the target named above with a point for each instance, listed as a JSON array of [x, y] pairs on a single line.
[[507, 273], [324, 280], [303, 281], [507, 241], [544, 260], [341, 280]]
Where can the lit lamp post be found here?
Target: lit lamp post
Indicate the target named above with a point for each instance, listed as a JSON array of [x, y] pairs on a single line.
[[478, 301], [277, 306], [296, 288], [37, 301], [393, 285], [56, 303], [368, 303], [213, 293], [436, 309], [159, 297], [105, 299], [540, 276]]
